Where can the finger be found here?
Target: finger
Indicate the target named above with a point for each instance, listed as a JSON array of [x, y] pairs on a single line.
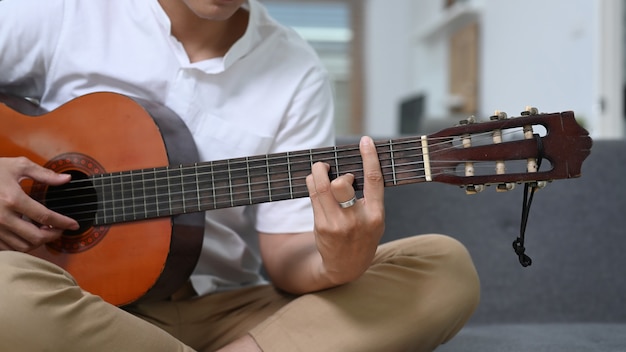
[[373, 184], [39, 214], [342, 188], [33, 209], [4, 246], [25, 236], [322, 184], [41, 174], [10, 241], [318, 210]]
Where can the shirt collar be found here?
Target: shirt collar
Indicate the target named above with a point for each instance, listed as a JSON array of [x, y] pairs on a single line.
[[251, 36]]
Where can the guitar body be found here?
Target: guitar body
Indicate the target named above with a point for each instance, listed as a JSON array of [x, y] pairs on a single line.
[[108, 132]]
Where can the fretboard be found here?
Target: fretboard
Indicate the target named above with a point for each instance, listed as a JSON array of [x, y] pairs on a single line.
[[166, 191]]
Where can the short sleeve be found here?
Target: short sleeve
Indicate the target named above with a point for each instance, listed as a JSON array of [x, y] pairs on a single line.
[[29, 31], [309, 124]]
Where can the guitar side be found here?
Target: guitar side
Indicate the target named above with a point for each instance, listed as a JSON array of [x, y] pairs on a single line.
[[108, 132]]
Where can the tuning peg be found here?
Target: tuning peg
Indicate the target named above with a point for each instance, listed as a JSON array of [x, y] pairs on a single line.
[[468, 120], [539, 184], [530, 110], [473, 189], [498, 115], [504, 187]]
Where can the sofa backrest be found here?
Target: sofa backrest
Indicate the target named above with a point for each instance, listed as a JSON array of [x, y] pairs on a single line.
[[576, 237]]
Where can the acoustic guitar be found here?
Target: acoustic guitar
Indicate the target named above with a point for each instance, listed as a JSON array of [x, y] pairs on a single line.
[[139, 193]]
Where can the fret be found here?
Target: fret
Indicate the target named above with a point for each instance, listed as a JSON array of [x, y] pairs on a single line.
[[176, 204], [289, 177], [259, 179], [384, 158], [300, 168], [403, 161], [213, 188], [336, 162], [182, 188], [122, 197], [351, 162], [230, 184], [269, 182], [249, 180], [327, 155], [196, 172], [278, 175], [130, 199], [204, 181], [188, 187], [162, 192], [169, 191], [222, 184], [101, 190], [126, 187], [393, 163], [239, 185], [150, 193], [116, 197], [143, 194]]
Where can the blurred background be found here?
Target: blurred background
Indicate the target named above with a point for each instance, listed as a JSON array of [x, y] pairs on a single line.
[[416, 66]]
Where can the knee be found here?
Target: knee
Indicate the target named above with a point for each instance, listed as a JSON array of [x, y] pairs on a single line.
[[449, 265], [23, 276], [457, 275], [454, 260]]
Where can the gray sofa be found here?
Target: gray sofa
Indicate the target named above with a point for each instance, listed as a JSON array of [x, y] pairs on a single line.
[[573, 296]]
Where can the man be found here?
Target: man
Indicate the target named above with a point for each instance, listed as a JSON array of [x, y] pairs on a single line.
[[244, 86]]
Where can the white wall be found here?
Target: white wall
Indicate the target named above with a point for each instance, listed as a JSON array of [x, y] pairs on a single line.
[[548, 54], [387, 63], [538, 53]]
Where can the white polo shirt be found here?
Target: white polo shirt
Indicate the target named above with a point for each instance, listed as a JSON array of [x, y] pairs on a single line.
[[268, 94]]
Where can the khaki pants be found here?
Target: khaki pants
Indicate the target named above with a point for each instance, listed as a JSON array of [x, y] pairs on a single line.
[[417, 294]]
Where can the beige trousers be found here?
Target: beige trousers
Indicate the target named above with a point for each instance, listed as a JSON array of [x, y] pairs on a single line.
[[417, 294]]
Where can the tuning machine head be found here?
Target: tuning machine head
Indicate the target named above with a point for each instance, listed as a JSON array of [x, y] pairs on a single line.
[[505, 187], [468, 121], [529, 111], [539, 184], [474, 189], [499, 115]]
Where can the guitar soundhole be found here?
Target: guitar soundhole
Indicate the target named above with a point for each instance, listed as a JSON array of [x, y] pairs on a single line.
[[76, 199]]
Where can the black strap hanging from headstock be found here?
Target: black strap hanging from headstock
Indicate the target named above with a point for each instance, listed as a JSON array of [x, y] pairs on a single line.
[[529, 192]]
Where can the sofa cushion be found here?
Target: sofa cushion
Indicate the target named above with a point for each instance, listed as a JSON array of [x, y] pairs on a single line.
[[572, 337]]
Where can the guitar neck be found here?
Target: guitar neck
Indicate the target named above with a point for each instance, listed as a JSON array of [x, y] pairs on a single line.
[[166, 191], [177, 189]]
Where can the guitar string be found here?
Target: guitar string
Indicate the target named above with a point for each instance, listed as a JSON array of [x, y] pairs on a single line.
[[246, 168], [247, 192], [172, 210], [196, 199], [218, 180], [287, 192], [244, 161], [294, 170], [162, 170]]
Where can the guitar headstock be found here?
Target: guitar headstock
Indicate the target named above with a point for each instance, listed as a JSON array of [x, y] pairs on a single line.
[[533, 148]]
